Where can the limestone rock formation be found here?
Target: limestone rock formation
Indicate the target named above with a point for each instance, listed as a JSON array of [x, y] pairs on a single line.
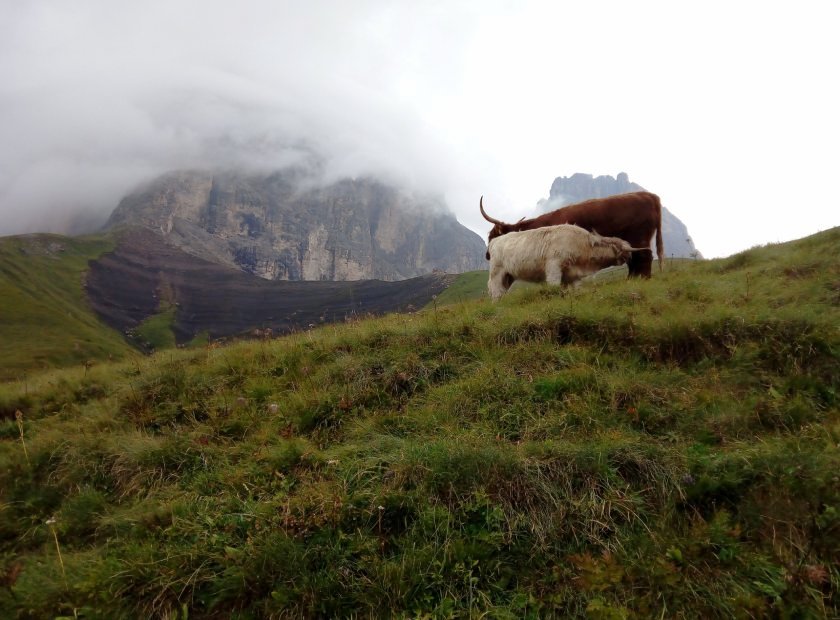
[[579, 187], [281, 227]]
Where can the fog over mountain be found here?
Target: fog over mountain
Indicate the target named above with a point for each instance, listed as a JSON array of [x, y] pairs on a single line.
[[98, 98], [459, 99]]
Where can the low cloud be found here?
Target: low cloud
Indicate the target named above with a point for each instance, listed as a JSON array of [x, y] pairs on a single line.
[[102, 99], [459, 99]]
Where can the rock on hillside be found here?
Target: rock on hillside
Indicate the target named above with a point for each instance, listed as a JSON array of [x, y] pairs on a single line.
[[277, 227], [579, 187]]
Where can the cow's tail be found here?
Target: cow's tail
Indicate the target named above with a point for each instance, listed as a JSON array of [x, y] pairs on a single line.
[[660, 250]]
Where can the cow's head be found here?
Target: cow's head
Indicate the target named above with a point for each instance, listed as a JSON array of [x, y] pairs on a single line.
[[499, 228], [612, 250]]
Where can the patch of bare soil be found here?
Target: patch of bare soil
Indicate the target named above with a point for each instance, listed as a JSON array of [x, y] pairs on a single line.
[[144, 274]]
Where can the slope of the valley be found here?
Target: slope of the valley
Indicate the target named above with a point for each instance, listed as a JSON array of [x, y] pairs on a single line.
[[45, 320], [144, 276]]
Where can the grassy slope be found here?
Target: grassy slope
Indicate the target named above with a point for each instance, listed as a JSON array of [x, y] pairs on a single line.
[[156, 331], [45, 320], [665, 448], [468, 286]]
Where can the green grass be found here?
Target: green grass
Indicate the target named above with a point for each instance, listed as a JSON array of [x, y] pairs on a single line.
[[472, 285], [156, 331], [626, 449], [45, 321], [467, 287]]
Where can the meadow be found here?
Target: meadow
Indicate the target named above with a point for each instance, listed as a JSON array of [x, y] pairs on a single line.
[[45, 320], [625, 449]]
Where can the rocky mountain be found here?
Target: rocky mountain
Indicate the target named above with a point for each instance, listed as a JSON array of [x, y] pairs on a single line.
[[279, 226], [579, 187], [143, 276]]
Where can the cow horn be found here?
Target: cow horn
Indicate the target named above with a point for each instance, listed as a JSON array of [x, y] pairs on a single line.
[[486, 217], [638, 249]]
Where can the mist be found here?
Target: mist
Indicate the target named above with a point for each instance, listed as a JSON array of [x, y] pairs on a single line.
[[458, 99], [100, 98]]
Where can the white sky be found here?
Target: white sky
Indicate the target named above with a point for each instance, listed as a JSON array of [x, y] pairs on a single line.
[[729, 110]]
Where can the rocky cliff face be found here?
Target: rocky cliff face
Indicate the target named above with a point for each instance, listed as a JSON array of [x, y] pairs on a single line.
[[579, 187], [277, 227]]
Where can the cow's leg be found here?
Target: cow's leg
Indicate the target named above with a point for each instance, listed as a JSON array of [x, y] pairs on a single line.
[[498, 283], [554, 272], [571, 276], [640, 264]]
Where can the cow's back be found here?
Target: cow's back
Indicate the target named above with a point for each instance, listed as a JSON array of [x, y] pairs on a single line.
[[633, 217], [538, 244]]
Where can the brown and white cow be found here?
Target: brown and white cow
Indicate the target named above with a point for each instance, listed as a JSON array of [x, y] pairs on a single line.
[[635, 217], [560, 254]]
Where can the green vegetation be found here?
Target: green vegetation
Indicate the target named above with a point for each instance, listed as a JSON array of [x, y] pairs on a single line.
[[468, 286], [156, 331], [45, 321], [626, 449]]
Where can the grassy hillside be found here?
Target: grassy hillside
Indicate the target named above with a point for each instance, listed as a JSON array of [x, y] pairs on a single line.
[[45, 320], [468, 286], [628, 449], [58, 293]]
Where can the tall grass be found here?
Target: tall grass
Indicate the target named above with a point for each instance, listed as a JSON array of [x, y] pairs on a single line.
[[664, 448]]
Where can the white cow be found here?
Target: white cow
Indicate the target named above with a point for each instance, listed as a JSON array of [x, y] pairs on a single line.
[[561, 254]]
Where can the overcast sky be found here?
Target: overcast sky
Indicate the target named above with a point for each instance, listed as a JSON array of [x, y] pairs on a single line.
[[729, 110]]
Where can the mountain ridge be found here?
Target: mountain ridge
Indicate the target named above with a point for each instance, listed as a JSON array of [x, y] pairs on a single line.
[[282, 226]]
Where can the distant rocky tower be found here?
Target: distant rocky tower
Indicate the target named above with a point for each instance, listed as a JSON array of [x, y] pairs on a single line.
[[281, 228], [578, 187]]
